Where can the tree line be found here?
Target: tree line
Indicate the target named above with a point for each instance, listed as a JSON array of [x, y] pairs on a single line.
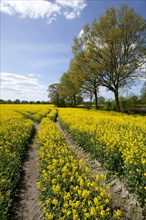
[[109, 52], [18, 101]]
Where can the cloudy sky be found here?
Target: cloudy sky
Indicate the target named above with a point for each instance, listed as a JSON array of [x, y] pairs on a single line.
[[36, 39]]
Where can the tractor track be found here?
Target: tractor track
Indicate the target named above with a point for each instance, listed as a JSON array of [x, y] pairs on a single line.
[[27, 202]]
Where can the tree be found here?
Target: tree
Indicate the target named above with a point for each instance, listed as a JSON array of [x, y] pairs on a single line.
[[2, 101], [38, 102], [24, 102], [133, 100], [117, 44], [86, 74], [53, 93], [143, 93], [9, 101], [69, 89], [101, 100], [17, 101]]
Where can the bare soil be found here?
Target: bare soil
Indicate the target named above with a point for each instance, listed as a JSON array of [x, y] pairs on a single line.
[[27, 207], [120, 196]]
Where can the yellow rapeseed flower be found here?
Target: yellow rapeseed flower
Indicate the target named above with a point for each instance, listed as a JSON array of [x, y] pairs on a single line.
[[92, 211], [55, 201], [117, 213]]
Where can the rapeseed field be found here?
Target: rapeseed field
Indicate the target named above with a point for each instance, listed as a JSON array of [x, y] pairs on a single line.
[[116, 140]]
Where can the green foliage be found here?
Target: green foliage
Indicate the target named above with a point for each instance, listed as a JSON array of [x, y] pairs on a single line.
[[69, 89], [110, 105], [125, 105], [113, 47], [110, 52], [85, 72], [55, 95], [143, 93]]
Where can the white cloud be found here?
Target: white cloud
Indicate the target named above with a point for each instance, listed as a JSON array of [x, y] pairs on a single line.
[[43, 9], [15, 86], [75, 6], [70, 15]]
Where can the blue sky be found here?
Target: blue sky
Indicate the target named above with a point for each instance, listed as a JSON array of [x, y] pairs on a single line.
[[36, 39]]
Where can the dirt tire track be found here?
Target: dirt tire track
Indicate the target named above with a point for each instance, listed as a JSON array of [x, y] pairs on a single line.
[[120, 196], [27, 207]]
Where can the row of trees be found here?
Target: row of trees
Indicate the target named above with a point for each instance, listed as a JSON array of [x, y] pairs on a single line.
[[109, 52], [130, 100], [18, 101]]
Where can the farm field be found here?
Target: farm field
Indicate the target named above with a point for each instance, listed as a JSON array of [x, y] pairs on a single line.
[[67, 188], [16, 131], [117, 141]]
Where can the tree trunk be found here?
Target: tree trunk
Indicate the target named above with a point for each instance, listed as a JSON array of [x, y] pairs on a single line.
[[117, 100], [75, 101], [91, 98], [96, 99], [57, 99]]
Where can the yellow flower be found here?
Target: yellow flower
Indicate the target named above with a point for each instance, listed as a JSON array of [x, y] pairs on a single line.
[[48, 201], [87, 215], [138, 170], [96, 202], [76, 217], [67, 196], [102, 193], [87, 169], [79, 192], [117, 213], [102, 213], [56, 189], [103, 176], [84, 210], [85, 193], [54, 181], [68, 212], [97, 177], [49, 215], [38, 184], [66, 205], [92, 211], [71, 203], [64, 169], [77, 204], [107, 201], [93, 184], [40, 203], [55, 202], [81, 181]]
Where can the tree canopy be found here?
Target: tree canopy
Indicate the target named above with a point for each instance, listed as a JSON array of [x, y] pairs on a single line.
[[115, 47], [110, 52]]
